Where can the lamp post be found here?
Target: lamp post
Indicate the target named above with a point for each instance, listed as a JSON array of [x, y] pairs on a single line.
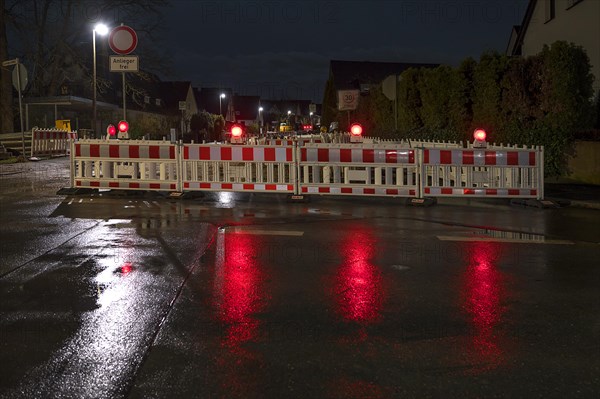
[[102, 30], [260, 110], [222, 96]]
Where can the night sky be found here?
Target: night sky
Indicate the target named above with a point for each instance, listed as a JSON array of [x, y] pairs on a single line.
[[281, 49]]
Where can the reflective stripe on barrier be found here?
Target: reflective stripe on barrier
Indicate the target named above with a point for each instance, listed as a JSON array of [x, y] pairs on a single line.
[[125, 185], [238, 187], [357, 155], [400, 192], [121, 151], [213, 152], [479, 157], [480, 192]]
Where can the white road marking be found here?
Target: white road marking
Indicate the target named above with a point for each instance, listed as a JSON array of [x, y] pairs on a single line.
[[541, 240], [254, 231]]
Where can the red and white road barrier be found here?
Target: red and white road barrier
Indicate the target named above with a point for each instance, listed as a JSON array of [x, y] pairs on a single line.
[[214, 167], [314, 168], [126, 165], [508, 173], [51, 142], [348, 169]]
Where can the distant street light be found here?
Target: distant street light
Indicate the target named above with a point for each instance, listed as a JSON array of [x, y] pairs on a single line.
[[102, 30], [260, 120], [222, 96]]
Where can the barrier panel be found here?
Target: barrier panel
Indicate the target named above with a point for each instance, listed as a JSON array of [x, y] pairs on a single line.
[[314, 168], [348, 169], [215, 167], [126, 165], [51, 142], [510, 173]]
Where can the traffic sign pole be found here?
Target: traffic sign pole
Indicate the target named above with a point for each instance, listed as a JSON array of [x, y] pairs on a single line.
[[20, 107], [123, 40], [124, 99]]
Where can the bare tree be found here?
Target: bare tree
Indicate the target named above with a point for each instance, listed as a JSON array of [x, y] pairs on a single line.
[[6, 110], [54, 36]]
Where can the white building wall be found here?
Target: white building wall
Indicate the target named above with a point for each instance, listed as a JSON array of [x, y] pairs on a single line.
[[579, 24]]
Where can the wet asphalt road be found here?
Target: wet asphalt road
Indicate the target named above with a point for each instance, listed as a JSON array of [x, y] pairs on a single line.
[[248, 296]]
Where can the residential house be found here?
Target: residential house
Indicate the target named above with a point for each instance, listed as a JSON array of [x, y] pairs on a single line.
[[246, 109], [546, 21], [180, 101], [216, 101]]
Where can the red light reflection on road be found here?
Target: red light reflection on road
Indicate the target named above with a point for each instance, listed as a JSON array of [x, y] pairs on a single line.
[[126, 268], [358, 286], [483, 287], [239, 290], [347, 388]]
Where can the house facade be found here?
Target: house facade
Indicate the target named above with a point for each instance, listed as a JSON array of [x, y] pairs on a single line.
[[546, 21]]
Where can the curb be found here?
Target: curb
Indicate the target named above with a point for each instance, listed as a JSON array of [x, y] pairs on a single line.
[[576, 203]]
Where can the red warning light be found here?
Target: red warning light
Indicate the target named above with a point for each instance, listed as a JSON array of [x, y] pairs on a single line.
[[356, 129], [236, 131], [126, 268], [111, 130], [479, 135], [123, 126]]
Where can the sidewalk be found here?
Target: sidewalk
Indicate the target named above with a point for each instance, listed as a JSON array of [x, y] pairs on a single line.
[[577, 195]]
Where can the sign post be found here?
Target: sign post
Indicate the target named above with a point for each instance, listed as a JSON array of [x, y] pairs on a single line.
[[19, 80], [123, 40]]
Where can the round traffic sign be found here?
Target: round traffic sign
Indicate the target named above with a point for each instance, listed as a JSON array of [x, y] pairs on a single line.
[[122, 39], [19, 77]]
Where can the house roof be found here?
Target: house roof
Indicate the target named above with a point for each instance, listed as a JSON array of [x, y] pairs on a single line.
[[145, 89], [246, 107], [515, 44], [351, 74], [173, 92], [208, 99]]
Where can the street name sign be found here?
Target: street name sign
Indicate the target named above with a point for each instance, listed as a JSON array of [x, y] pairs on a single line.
[[10, 62], [124, 63]]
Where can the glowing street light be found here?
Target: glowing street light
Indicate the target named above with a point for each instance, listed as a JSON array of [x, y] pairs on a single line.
[[221, 97], [102, 30]]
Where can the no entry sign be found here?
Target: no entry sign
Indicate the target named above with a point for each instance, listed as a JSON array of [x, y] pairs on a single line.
[[122, 40]]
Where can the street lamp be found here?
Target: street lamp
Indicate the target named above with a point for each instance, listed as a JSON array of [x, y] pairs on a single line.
[[222, 96], [260, 110], [102, 30]]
